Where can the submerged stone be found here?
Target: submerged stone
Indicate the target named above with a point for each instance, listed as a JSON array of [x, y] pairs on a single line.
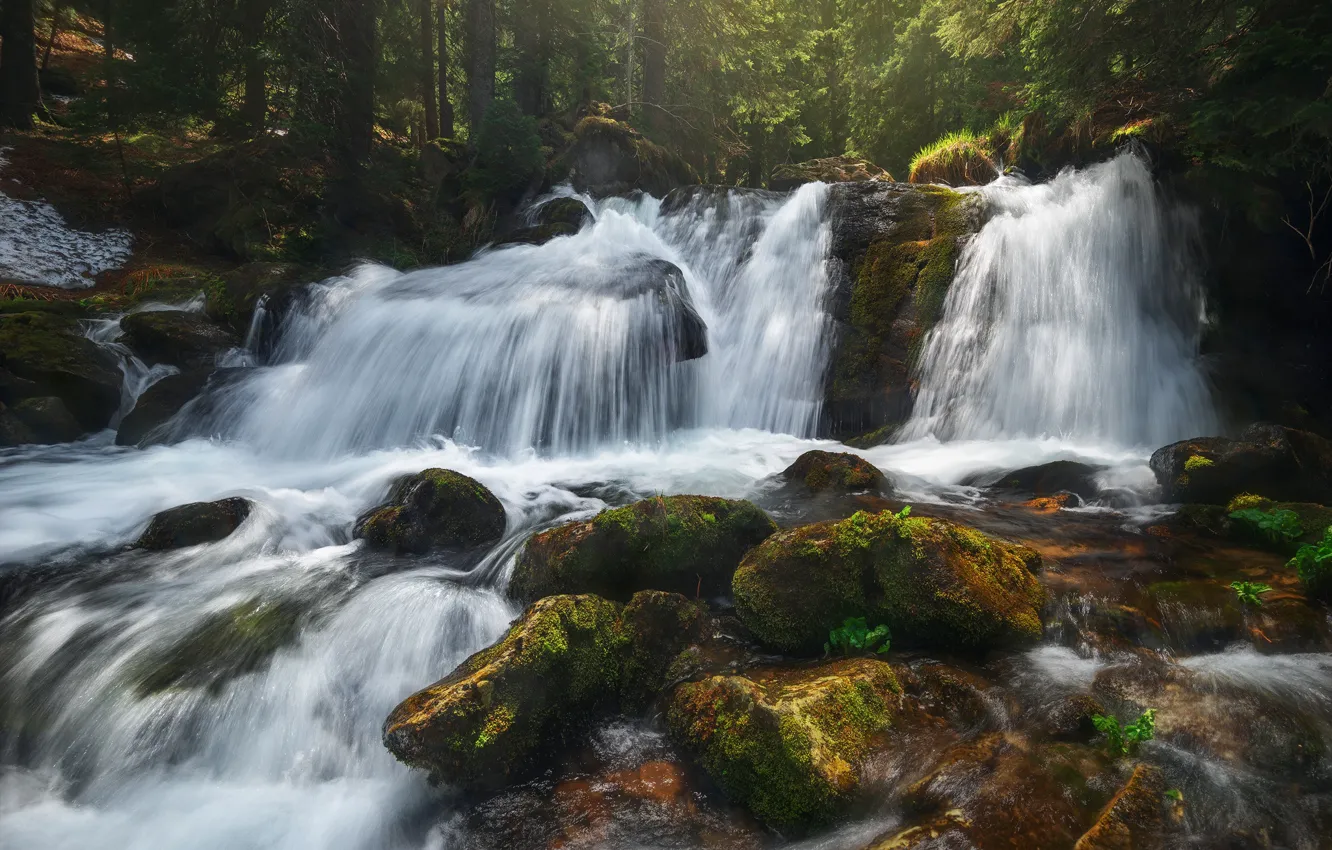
[[932, 582], [1133, 820], [436, 508], [788, 744], [194, 524], [683, 544]]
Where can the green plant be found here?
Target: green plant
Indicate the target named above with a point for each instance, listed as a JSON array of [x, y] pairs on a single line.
[[855, 634], [1124, 740], [1281, 526], [1313, 562], [508, 151], [1196, 462], [1248, 591]]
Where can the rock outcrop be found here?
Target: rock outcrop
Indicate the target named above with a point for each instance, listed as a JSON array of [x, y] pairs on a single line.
[[682, 544], [177, 338], [932, 582], [833, 169], [609, 157], [436, 508]]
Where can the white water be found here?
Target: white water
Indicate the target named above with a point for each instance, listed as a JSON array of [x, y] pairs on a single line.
[[1075, 313], [531, 369], [37, 246]]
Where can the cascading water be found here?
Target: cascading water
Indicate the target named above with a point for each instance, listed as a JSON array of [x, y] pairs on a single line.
[[1075, 314]]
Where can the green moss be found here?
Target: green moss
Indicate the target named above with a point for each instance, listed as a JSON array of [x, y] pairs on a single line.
[[1196, 462], [436, 508], [787, 744], [1245, 501], [958, 159]]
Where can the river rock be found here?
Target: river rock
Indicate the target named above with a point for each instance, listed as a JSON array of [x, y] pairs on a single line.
[[682, 544], [819, 472], [48, 419], [436, 508], [1052, 479], [158, 405], [194, 524], [788, 744], [1271, 461], [609, 157], [13, 431], [556, 217], [45, 355], [933, 582], [833, 169], [176, 337], [1133, 819], [558, 667], [656, 627]]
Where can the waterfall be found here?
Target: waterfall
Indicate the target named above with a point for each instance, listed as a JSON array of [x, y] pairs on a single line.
[[646, 322], [1075, 313]]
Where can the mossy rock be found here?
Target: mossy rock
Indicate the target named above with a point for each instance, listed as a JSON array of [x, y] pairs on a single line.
[[657, 627], [1134, 817], [436, 508], [833, 169], [1283, 464], [932, 582], [46, 355], [895, 252], [176, 337], [681, 544], [558, 667], [840, 472], [225, 645], [609, 157], [194, 524], [788, 744]]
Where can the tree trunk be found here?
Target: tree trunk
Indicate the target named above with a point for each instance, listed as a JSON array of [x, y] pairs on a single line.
[[428, 70], [19, 93], [254, 108], [832, 59], [480, 61], [756, 144], [356, 108], [654, 63], [55, 30], [445, 107], [530, 40]]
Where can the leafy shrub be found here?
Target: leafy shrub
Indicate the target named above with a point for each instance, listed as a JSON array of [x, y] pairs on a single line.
[[855, 634], [1280, 526], [1248, 591], [508, 152], [1313, 561], [1124, 740]]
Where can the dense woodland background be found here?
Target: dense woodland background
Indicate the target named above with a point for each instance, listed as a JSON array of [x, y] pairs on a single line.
[[349, 101]]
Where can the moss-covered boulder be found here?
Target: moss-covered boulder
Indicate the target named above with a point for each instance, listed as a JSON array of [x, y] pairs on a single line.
[[194, 524], [558, 666], [1133, 820], [833, 169], [45, 355], [835, 472], [682, 544], [788, 744], [609, 157], [436, 508], [893, 256], [225, 645], [176, 337], [158, 405], [1281, 463], [656, 627], [933, 582]]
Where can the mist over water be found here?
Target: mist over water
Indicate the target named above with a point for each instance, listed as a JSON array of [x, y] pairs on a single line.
[[558, 376]]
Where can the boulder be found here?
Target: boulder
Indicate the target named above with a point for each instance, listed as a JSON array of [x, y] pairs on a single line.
[[435, 508], [656, 627], [48, 419], [932, 582], [158, 405], [833, 169], [788, 744], [609, 157], [557, 668], [244, 287], [13, 431], [556, 217], [45, 355], [1133, 820], [682, 544], [1052, 479], [176, 337], [1279, 463], [838, 472], [893, 255], [194, 524]]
